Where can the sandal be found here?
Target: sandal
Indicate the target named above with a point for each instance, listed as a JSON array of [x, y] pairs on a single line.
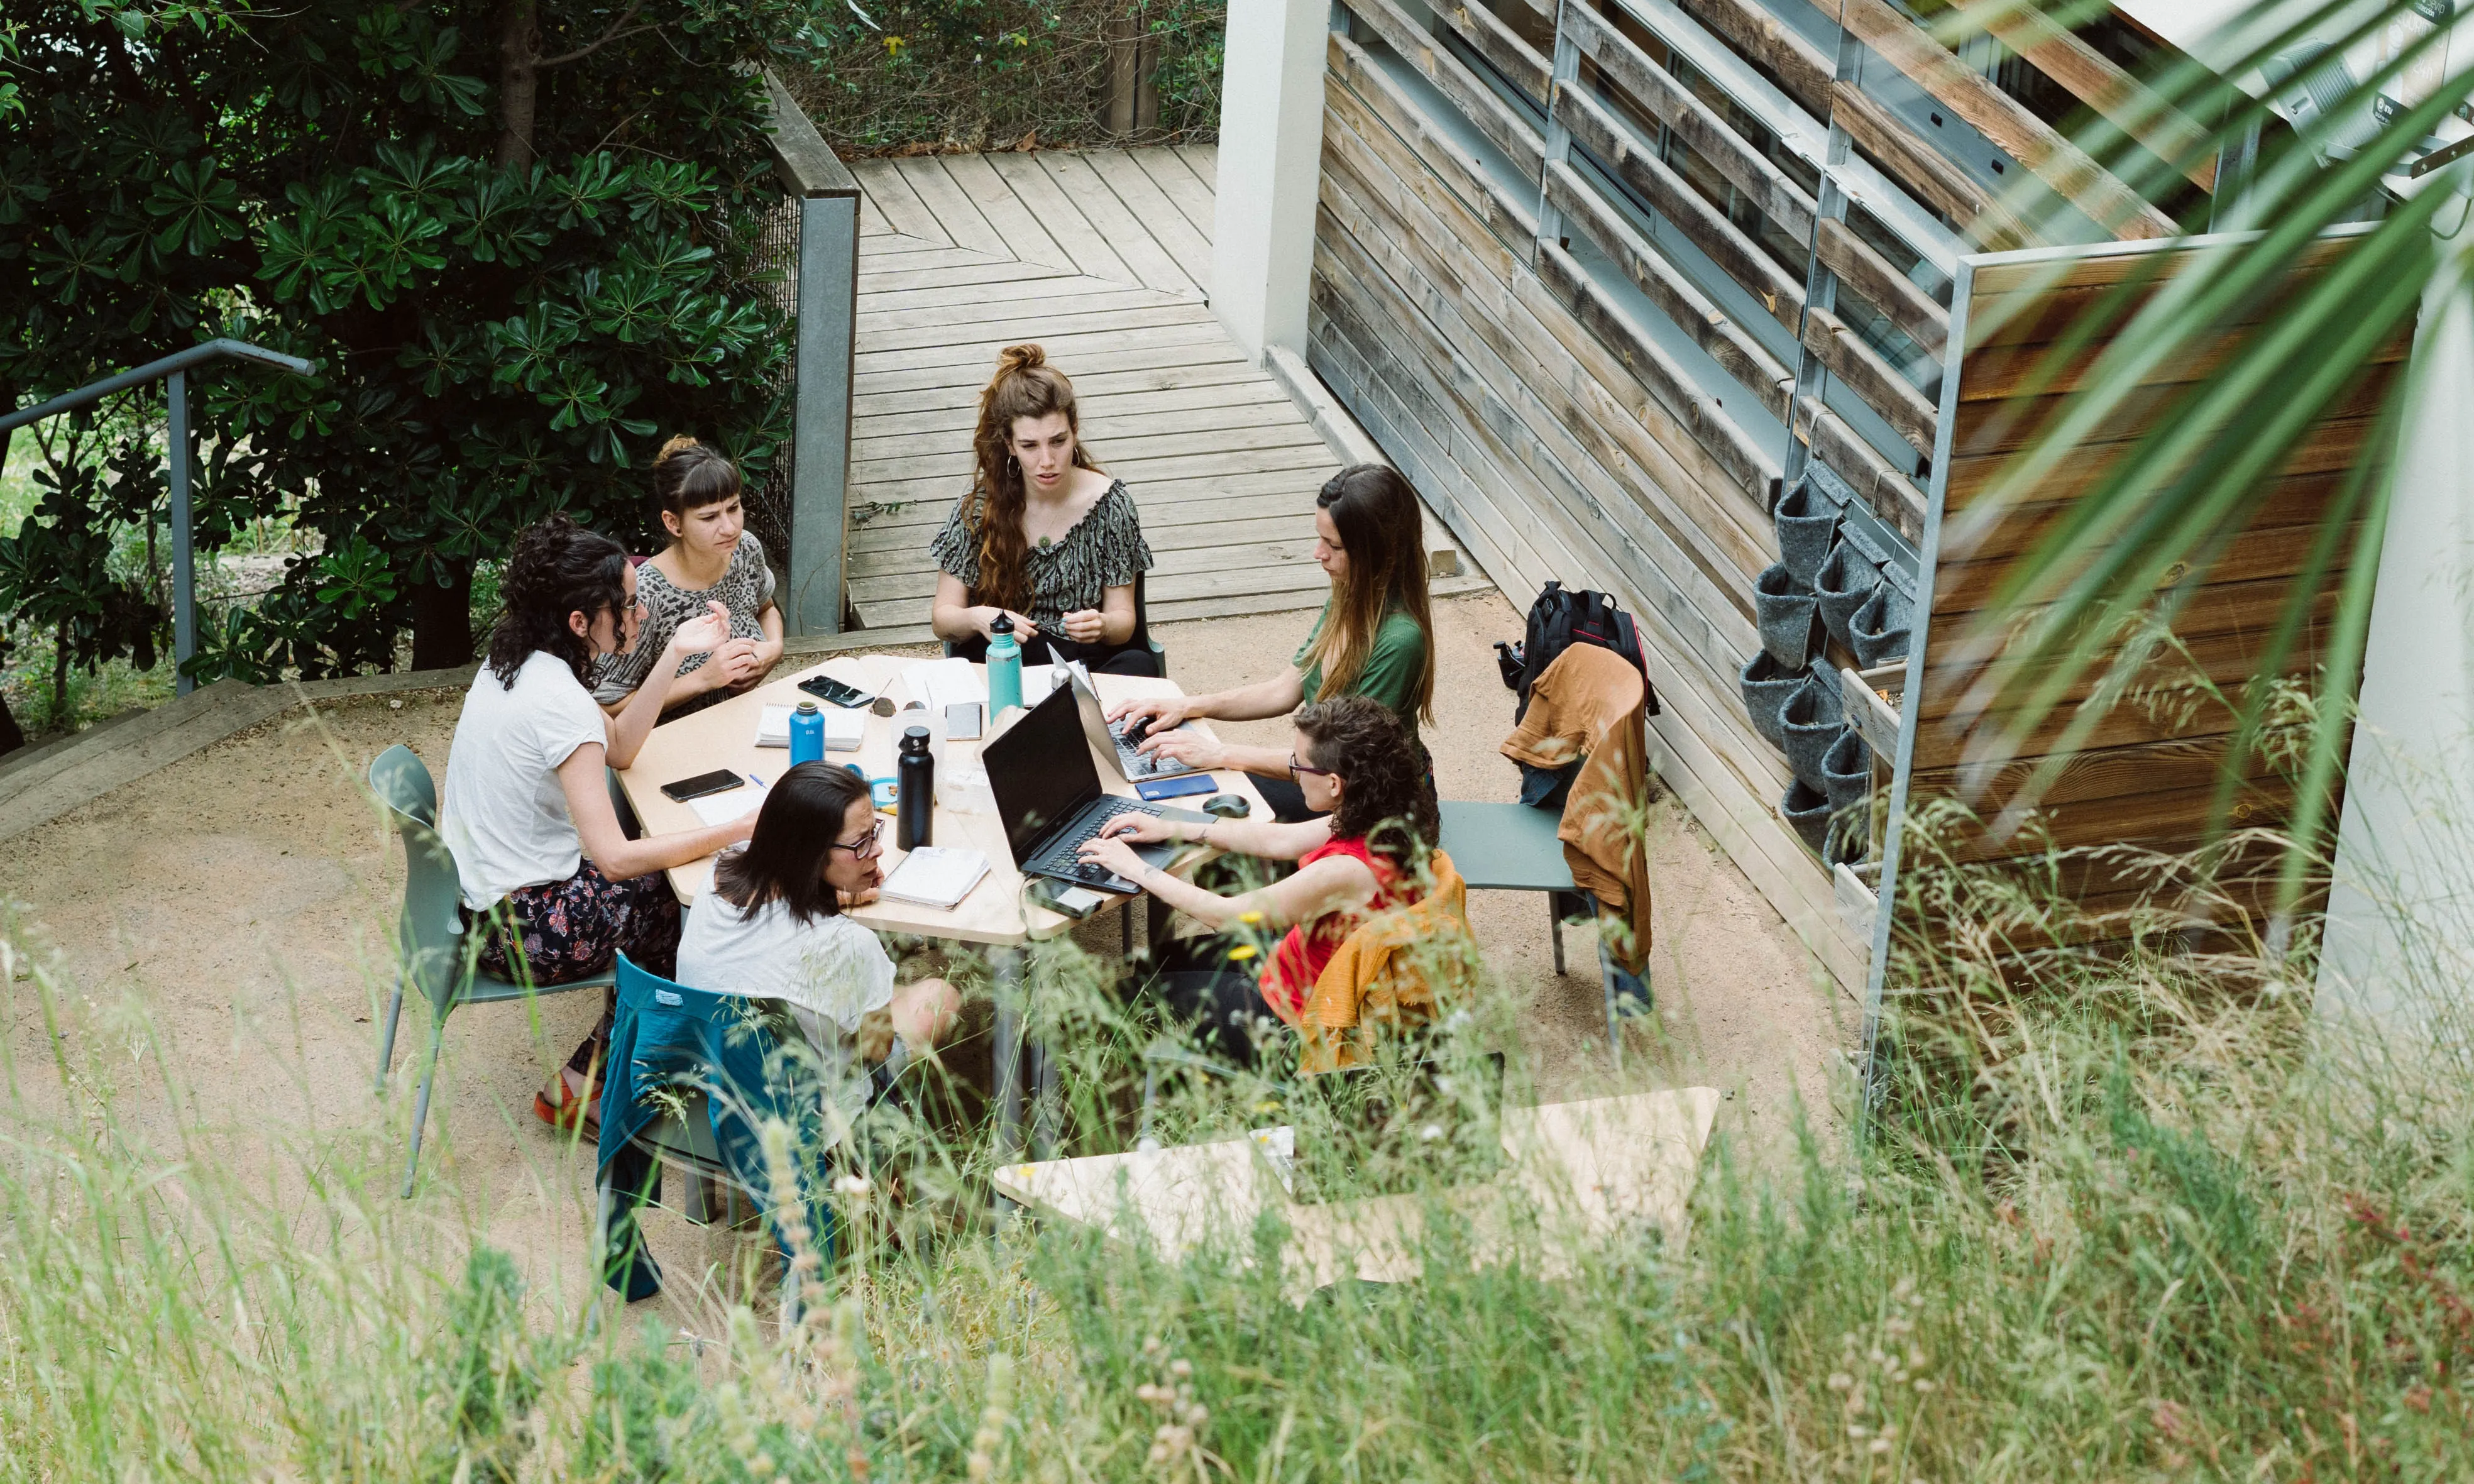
[[573, 1111]]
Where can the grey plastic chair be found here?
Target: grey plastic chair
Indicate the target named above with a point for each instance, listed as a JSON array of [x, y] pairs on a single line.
[[433, 953], [1513, 847]]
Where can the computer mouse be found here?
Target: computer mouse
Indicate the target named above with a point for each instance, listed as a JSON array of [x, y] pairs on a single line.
[[1227, 806]]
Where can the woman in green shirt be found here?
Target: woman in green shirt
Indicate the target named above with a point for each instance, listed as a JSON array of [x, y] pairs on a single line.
[[1376, 638]]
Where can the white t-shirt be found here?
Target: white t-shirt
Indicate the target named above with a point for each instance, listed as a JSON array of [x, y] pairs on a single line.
[[830, 971], [504, 816]]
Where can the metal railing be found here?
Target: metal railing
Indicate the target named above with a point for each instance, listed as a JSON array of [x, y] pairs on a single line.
[[174, 371]]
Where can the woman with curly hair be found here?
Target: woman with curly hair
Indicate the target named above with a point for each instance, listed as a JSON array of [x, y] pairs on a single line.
[[713, 557], [549, 876], [1044, 537], [1376, 638], [1365, 854]]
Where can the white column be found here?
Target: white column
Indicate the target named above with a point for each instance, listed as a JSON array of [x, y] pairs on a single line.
[[2400, 935], [1271, 154]]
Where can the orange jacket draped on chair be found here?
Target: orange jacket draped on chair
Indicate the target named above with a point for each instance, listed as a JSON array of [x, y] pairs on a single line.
[[1372, 986], [1589, 704]]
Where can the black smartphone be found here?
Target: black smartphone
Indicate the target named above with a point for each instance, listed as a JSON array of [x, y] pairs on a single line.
[[721, 780], [1159, 789], [825, 687]]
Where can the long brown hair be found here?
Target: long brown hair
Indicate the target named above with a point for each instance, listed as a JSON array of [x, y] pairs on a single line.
[[1024, 386], [798, 824], [1384, 534]]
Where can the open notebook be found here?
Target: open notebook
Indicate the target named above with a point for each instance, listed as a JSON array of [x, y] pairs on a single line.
[[936, 876]]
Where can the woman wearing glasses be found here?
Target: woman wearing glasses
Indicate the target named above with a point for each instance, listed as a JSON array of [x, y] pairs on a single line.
[[548, 875], [1364, 854], [772, 928]]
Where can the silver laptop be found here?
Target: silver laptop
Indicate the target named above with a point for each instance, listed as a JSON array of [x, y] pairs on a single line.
[[1132, 765]]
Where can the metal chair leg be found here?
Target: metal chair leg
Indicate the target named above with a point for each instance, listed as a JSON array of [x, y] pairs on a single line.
[[386, 1037], [420, 1105], [1555, 928]]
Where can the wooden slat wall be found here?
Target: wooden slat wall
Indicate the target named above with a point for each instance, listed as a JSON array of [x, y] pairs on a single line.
[[1500, 390], [2147, 775]]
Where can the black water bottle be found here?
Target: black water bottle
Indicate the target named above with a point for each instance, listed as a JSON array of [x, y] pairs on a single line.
[[915, 771]]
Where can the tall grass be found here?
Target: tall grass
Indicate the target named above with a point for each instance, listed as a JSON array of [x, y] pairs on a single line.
[[2167, 1232]]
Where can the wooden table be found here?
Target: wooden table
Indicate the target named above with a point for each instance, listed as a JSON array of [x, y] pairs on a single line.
[[995, 915], [1589, 1169]]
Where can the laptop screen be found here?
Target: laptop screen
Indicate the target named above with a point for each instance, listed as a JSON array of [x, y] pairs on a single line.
[[1041, 771]]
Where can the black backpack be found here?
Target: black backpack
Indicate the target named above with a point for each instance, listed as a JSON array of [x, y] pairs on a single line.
[[1560, 619]]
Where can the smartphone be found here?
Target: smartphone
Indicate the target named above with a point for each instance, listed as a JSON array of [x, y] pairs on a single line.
[[962, 721], [825, 687], [1157, 789], [721, 780], [1075, 902]]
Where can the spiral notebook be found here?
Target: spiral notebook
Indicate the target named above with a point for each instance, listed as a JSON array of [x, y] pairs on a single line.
[[935, 876]]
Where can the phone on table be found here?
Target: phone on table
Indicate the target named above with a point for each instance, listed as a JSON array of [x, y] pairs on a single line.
[[1155, 790], [825, 687], [1075, 902], [721, 780], [962, 721]]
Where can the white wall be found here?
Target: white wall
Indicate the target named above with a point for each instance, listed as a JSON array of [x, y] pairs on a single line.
[[2401, 911], [1270, 149]]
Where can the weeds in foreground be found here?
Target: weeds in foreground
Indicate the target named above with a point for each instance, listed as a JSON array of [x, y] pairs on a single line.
[[2165, 1233]]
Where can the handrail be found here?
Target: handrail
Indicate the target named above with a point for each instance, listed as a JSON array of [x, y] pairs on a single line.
[[174, 370], [183, 360]]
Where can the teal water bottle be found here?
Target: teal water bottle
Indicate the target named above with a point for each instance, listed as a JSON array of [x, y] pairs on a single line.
[[806, 734], [1004, 668]]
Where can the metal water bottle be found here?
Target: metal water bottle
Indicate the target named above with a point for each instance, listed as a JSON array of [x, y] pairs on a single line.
[[806, 734], [915, 772], [1004, 668]]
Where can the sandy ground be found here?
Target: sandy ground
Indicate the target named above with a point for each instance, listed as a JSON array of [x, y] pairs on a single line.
[[242, 898]]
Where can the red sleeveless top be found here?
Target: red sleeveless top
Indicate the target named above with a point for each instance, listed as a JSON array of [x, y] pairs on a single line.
[[1300, 958]]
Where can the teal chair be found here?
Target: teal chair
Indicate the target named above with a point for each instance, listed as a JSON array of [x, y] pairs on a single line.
[[1513, 847], [433, 953]]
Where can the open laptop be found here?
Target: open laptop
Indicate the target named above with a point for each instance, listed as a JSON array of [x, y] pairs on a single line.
[[1048, 797], [1109, 738]]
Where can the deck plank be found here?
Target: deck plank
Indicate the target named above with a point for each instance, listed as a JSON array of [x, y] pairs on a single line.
[[1102, 257], [1081, 241], [1153, 265]]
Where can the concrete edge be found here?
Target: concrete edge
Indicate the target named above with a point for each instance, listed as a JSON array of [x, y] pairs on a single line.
[[1351, 444], [74, 771]]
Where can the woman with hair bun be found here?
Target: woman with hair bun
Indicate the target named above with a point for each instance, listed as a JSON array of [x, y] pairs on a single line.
[[549, 879], [1044, 537], [1376, 638], [713, 557]]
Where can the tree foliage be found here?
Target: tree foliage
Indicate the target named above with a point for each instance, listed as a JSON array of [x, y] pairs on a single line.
[[514, 237]]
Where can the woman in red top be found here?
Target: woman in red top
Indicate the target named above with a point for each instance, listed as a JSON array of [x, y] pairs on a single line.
[[1366, 779]]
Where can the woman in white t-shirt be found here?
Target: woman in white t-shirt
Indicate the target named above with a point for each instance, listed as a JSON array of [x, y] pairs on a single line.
[[526, 802], [772, 927]]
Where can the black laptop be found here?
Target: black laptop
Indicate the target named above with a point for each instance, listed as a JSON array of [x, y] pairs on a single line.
[[1048, 797]]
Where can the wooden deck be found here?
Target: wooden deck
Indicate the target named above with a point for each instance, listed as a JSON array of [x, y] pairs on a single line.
[[1105, 257]]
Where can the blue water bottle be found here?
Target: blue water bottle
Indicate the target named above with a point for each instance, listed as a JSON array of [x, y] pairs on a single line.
[[1004, 668], [806, 734]]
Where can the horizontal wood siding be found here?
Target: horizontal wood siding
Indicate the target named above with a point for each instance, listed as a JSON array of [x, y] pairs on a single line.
[[1551, 435]]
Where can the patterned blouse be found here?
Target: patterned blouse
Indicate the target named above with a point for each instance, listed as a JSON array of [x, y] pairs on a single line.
[[745, 588], [1104, 550]]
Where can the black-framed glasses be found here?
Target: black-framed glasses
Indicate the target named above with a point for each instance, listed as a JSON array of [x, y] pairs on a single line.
[[868, 845], [1297, 766]]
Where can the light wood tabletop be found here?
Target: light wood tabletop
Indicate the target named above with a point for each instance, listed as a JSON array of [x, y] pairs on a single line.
[[994, 914]]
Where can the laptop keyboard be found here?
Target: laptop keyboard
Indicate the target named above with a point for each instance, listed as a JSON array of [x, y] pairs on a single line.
[[1142, 764], [1061, 855]]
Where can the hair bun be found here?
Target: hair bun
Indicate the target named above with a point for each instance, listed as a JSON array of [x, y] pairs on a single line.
[[1020, 357], [676, 445]]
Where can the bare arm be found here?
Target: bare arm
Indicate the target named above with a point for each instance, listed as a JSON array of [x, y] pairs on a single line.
[[955, 619], [1277, 696], [1113, 623], [1329, 885], [607, 845], [642, 711]]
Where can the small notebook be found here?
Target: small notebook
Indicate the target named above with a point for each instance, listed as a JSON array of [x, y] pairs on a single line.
[[844, 729], [723, 808], [935, 876]]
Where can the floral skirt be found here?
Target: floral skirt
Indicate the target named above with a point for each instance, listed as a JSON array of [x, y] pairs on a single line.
[[565, 930]]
